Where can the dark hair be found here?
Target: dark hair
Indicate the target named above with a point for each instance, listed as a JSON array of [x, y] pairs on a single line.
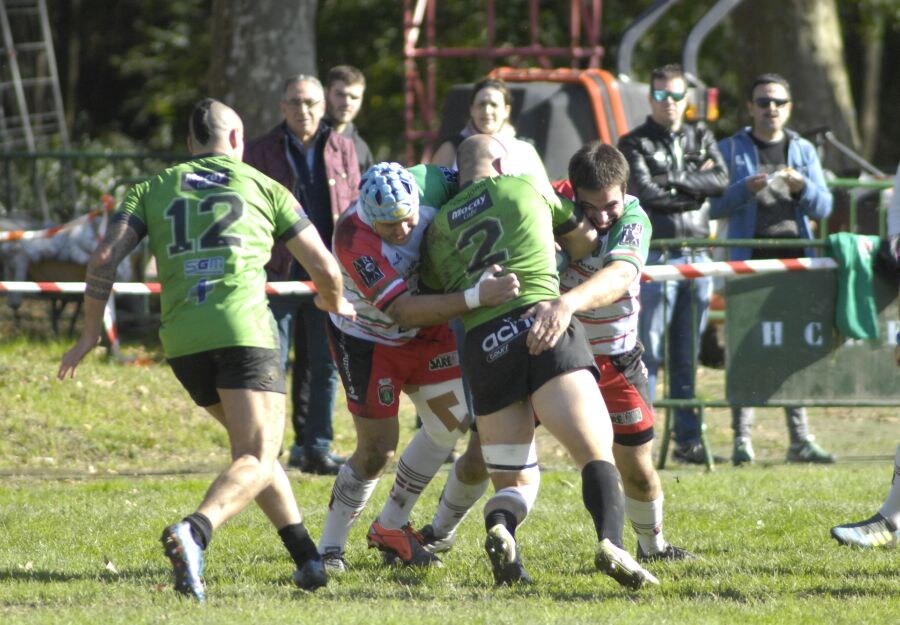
[[765, 79], [491, 83], [597, 166], [200, 124], [667, 72], [345, 74]]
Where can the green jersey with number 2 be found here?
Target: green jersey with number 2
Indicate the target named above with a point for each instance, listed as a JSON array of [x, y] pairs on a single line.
[[508, 221]]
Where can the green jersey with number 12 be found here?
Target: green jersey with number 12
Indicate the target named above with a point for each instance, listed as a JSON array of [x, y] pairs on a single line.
[[211, 223]]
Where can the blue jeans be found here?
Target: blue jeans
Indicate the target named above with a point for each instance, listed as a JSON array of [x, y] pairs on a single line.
[[671, 323], [283, 309], [314, 383]]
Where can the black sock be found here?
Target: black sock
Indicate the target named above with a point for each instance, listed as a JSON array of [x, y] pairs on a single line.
[[603, 498], [501, 517], [201, 528], [299, 544]]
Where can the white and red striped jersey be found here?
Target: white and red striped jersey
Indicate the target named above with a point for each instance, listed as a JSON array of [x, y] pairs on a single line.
[[375, 274], [612, 329]]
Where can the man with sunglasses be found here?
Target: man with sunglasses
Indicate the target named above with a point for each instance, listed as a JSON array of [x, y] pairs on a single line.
[[674, 166], [775, 187]]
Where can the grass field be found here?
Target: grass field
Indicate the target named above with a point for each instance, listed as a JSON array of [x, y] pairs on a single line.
[[93, 469]]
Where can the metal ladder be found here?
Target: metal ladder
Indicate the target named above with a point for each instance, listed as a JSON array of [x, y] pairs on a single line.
[[31, 108]]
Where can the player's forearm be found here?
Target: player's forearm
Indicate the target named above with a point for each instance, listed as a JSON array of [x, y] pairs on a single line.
[[326, 275], [417, 311], [603, 288], [307, 247]]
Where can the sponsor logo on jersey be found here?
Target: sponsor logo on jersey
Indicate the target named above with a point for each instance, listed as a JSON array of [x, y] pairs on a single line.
[[497, 342], [200, 180], [470, 209], [368, 270], [631, 235], [205, 266], [450, 175], [385, 392], [629, 417], [202, 289], [443, 361]]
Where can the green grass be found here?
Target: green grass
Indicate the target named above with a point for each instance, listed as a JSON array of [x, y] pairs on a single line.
[[92, 473]]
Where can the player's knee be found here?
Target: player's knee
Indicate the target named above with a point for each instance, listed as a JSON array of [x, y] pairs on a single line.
[[371, 457], [518, 499], [637, 480], [442, 408], [470, 468]]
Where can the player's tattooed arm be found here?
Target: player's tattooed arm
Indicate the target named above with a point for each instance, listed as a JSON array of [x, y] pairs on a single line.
[[120, 240]]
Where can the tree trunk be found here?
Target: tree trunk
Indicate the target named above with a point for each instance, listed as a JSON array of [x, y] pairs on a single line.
[[256, 45], [801, 40], [870, 106]]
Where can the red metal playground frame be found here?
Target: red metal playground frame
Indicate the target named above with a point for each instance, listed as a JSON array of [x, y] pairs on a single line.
[[421, 83]]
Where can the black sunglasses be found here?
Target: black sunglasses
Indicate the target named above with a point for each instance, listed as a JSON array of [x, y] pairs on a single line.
[[660, 95], [765, 103]]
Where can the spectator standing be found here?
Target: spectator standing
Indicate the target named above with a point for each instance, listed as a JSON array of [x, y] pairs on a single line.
[[490, 107], [319, 167], [345, 87], [211, 222], [775, 186], [674, 166]]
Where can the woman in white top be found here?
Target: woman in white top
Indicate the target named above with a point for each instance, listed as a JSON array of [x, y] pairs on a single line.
[[489, 111]]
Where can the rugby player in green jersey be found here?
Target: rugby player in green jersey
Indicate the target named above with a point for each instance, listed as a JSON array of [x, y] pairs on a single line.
[[211, 223], [511, 221]]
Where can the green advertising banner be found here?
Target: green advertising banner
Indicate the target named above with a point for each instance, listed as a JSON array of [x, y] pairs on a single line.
[[781, 342]]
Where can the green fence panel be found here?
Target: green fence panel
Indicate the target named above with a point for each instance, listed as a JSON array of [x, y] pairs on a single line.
[[781, 343]]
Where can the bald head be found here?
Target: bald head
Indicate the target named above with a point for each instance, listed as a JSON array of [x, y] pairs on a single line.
[[215, 127], [479, 157]]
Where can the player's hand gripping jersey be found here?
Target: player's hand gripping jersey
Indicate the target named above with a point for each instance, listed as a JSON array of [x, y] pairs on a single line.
[[612, 329], [376, 272], [211, 223], [504, 220]]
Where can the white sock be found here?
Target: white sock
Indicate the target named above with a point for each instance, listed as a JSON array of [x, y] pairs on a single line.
[[646, 520], [456, 500], [891, 507], [421, 459], [349, 496]]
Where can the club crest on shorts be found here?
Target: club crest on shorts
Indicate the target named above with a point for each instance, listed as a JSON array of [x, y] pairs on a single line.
[[385, 392], [368, 270]]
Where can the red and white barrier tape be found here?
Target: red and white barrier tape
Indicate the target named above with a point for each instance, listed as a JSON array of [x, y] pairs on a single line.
[[139, 288], [109, 204], [652, 273], [715, 269]]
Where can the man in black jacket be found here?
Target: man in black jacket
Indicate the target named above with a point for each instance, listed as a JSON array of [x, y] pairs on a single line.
[[674, 167]]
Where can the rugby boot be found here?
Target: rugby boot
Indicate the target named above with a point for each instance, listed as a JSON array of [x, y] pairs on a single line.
[[311, 575], [506, 560], [671, 553], [434, 544], [333, 561], [618, 564], [405, 544], [186, 557], [876, 531]]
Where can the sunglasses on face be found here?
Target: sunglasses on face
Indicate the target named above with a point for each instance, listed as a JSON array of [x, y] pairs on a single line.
[[660, 95], [765, 103]]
